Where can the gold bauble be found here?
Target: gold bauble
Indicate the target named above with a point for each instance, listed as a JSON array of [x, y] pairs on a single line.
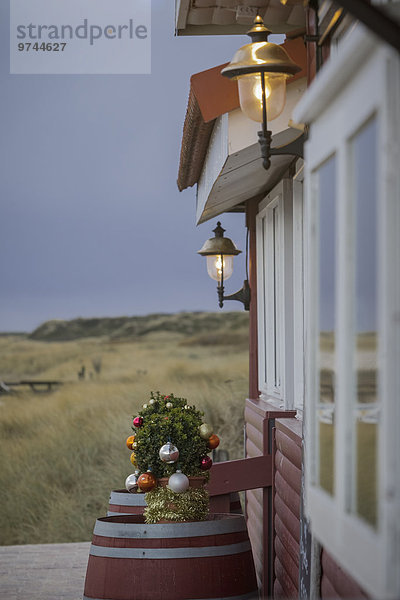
[[205, 431]]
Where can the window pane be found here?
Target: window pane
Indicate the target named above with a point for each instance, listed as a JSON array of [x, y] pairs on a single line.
[[326, 176], [276, 373], [365, 425], [264, 303]]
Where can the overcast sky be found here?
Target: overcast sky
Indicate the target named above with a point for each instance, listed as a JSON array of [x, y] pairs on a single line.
[[92, 223]]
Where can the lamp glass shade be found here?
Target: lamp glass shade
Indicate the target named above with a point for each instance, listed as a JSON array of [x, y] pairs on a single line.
[[250, 95], [214, 266]]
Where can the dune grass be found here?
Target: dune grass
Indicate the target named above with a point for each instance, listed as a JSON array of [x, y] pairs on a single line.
[[63, 452]]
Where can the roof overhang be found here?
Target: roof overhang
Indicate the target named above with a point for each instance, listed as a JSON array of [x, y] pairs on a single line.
[[230, 17], [243, 177]]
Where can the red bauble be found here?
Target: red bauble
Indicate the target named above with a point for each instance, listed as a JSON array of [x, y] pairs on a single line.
[[213, 441], [147, 481], [206, 463], [138, 422]]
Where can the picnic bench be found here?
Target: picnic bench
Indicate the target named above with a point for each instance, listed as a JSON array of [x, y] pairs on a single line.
[[37, 386]]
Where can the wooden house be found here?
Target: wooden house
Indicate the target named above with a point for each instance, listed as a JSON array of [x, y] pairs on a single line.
[[323, 503]]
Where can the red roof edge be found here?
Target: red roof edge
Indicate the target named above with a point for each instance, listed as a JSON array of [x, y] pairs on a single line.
[[214, 93]]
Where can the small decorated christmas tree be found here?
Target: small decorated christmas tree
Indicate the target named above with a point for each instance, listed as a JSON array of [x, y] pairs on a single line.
[[170, 448]]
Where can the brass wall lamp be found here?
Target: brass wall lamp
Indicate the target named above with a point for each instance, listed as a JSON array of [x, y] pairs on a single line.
[[261, 70], [220, 252]]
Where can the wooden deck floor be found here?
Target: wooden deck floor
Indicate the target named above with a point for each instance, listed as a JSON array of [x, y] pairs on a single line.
[[43, 571]]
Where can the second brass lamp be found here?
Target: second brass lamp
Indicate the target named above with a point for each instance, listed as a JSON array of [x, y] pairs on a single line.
[[220, 252]]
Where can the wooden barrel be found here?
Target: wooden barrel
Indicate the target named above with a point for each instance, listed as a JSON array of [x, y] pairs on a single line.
[[123, 502], [130, 560]]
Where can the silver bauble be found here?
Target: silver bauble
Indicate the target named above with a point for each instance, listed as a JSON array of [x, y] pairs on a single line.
[[169, 405], [144, 405], [169, 453], [151, 401], [178, 482], [131, 482]]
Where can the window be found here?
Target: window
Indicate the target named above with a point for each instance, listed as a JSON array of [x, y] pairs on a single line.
[[270, 308], [352, 296], [365, 414], [280, 295], [325, 177]]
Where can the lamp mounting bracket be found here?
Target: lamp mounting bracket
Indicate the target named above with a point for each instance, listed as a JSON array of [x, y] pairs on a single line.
[[295, 148], [264, 139], [242, 295]]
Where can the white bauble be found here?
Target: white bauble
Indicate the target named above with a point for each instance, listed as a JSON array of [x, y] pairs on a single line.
[[131, 482], [178, 482]]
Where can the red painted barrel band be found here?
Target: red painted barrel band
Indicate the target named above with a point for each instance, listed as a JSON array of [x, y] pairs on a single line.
[[124, 510], [134, 527], [167, 553], [191, 542]]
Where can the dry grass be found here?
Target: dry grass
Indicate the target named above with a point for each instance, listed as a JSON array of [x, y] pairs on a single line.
[[63, 452]]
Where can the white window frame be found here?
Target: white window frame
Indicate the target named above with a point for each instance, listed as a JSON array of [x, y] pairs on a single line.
[[362, 80], [270, 315], [298, 292], [287, 337]]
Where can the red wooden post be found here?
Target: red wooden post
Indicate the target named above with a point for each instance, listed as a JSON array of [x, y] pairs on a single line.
[[251, 213], [272, 534], [311, 46], [260, 417]]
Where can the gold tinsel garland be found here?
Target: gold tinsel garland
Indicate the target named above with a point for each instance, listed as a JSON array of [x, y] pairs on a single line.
[[163, 503]]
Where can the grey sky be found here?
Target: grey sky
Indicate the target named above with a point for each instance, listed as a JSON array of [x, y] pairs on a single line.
[[92, 222]]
